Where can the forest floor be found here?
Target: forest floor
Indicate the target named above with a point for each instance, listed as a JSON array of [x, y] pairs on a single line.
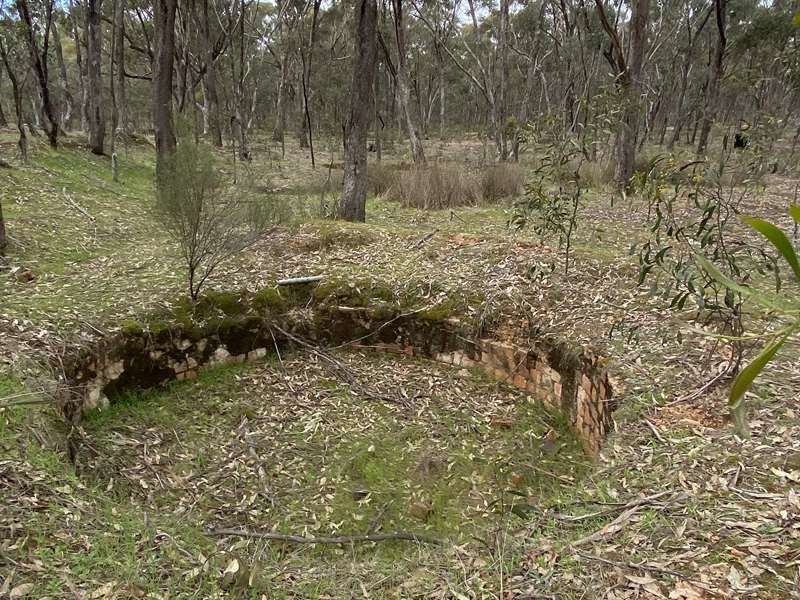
[[676, 506]]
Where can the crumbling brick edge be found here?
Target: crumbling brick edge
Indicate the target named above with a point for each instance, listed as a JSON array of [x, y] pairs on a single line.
[[573, 380]]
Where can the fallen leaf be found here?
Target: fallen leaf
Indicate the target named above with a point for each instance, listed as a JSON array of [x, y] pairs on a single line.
[[21, 591]]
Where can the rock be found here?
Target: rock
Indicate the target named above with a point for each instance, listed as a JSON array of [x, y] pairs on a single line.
[[420, 510]]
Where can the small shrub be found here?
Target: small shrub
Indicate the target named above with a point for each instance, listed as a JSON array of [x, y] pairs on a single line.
[[211, 220], [502, 180]]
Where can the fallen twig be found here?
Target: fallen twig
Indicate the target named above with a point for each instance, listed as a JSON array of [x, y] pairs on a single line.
[[77, 206], [22, 399], [655, 431], [421, 241], [342, 539], [617, 524], [615, 509]]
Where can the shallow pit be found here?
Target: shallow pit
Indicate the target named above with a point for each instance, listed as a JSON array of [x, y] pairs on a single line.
[[347, 442]]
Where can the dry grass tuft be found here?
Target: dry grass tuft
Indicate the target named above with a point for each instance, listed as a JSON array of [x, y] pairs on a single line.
[[502, 180], [442, 185], [436, 186]]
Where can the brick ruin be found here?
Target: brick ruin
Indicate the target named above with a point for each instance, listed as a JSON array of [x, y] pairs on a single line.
[[570, 380]]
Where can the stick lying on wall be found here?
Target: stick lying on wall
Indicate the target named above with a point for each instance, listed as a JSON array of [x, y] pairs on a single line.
[[298, 280]]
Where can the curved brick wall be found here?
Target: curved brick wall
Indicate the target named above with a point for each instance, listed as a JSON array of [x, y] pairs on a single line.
[[573, 381]]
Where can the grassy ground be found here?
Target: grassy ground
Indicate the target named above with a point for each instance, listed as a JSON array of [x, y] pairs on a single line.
[[251, 446]]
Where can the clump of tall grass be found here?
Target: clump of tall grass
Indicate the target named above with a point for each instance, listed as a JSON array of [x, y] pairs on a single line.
[[441, 185]]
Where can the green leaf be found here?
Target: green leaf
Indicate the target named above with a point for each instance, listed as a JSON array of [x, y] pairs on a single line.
[[745, 379], [760, 297], [794, 210], [778, 239]]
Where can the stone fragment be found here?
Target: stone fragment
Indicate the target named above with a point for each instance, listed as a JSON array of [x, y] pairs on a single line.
[[420, 510]]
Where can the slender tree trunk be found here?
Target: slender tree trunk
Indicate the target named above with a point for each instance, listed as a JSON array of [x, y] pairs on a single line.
[[94, 44], [66, 95], [39, 64], [240, 125], [280, 109], [307, 80], [377, 117], [3, 119], [210, 81], [164, 57], [76, 38], [3, 236], [679, 119], [712, 90], [503, 91], [442, 92], [119, 58], [22, 143], [352, 204], [404, 86], [629, 69]]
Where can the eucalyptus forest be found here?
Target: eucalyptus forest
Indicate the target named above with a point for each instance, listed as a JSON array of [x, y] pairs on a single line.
[[399, 299]]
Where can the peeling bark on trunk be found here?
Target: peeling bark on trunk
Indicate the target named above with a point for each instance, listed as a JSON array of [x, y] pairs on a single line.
[[352, 204], [94, 41]]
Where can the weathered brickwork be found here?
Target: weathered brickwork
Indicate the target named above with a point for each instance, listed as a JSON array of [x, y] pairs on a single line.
[[571, 381]]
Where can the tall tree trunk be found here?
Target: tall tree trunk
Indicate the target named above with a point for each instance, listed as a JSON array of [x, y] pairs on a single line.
[[280, 109], [210, 80], [163, 59], [3, 119], [404, 86], [22, 143], [94, 45], [39, 64], [377, 117], [629, 70], [307, 80], [352, 204], [502, 99], [679, 117], [712, 90], [442, 93], [66, 95], [3, 237], [240, 125], [119, 58], [76, 38]]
